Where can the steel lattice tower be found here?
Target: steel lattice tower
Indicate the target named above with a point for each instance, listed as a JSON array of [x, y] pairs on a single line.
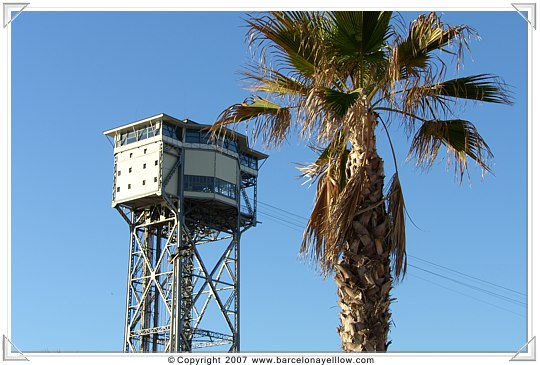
[[187, 199]]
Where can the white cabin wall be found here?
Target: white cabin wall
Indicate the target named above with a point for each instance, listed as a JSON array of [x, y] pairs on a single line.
[[169, 161], [137, 173]]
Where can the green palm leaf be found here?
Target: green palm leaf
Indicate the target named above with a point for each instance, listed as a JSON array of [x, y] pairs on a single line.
[[482, 87], [339, 102], [459, 136], [438, 99], [356, 45], [359, 34], [290, 36], [427, 34]]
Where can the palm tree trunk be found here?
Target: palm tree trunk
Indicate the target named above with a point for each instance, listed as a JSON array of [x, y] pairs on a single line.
[[363, 274]]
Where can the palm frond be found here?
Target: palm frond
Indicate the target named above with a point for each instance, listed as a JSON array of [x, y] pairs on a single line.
[[482, 87], [274, 82], [359, 34], [346, 207], [330, 170], [426, 34], [332, 72], [315, 242], [290, 35], [355, 45], [461, 139], [438, 100], [336, 150], [339, 102], [396, 216], [271, 121]]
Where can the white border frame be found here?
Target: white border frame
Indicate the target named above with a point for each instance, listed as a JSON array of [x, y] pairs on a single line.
[[164, 5]]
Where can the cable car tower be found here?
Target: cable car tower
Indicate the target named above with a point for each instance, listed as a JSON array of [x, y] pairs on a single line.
[[187, 200]]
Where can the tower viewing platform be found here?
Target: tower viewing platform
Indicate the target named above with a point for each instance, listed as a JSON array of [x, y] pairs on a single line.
[[187, 199]]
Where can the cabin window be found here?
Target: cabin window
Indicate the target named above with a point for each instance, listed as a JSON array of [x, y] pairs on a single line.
[[193, 136], [138, 134], [248, 161], [209, 184]]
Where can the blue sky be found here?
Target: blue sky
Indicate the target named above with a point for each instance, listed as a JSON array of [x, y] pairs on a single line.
[[76, 74]]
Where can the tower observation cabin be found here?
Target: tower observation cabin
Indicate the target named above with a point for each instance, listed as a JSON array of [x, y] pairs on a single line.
[[186, 198]]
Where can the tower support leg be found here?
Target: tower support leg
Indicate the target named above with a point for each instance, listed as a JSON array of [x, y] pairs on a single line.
[[183, 288]]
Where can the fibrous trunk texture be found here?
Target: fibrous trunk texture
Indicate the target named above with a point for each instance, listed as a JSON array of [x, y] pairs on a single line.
[[363, 274]]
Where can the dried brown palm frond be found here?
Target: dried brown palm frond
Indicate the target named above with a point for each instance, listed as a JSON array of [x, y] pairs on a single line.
[[271, 121], [346, 208], [396, 235], [312, 119], [330, 170], [315, 242], [333, 157], [269, 80]]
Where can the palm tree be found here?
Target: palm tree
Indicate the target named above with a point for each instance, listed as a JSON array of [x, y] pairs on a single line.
[[333, 78]]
